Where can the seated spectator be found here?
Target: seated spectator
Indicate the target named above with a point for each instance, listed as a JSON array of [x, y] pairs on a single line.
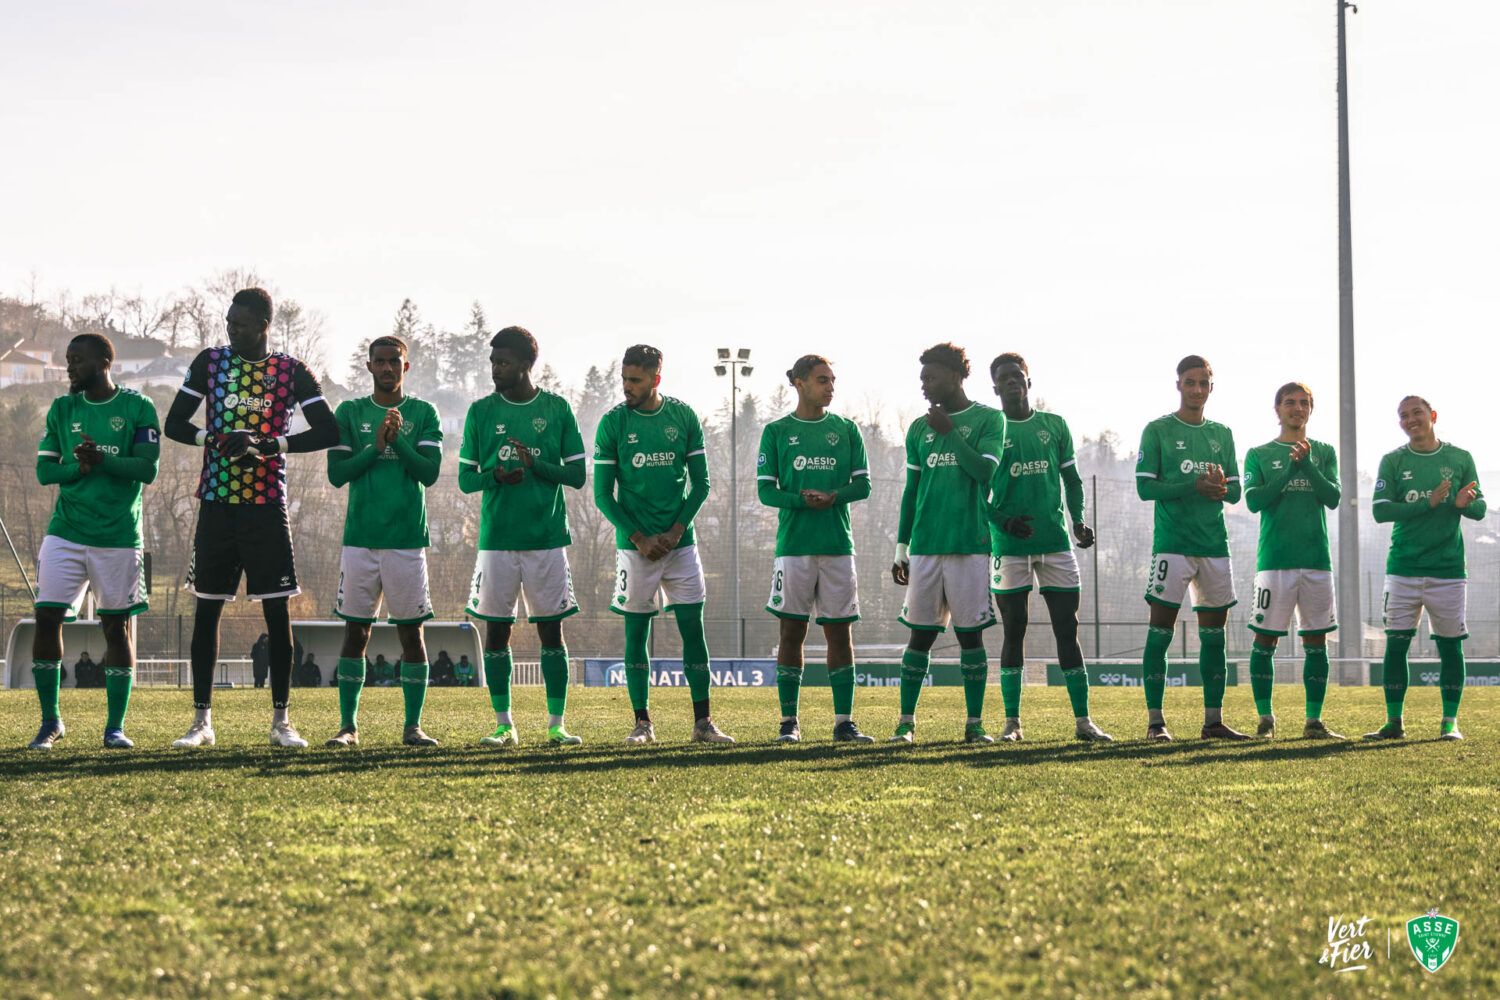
[[463, 672], [385, 671], [441, 673]]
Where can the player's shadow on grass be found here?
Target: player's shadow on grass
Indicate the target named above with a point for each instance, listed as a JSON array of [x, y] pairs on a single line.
[[468, 761]]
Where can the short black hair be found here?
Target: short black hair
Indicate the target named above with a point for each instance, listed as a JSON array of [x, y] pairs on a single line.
[[1419, 399], [255, 298], [1009, 358], [1194, 361], [642, 356], [803, 366], [518, 340], [101, 345], [389, 340], [1292, 387], [949, 356]]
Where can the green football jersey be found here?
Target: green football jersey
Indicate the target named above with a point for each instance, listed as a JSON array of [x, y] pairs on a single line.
[[1030, 481], [1176, 453], [530, 514], [100, 509], [1293, 529], [1428, 541], [387, 505], [824, 454], [950, 513], [650, 454]]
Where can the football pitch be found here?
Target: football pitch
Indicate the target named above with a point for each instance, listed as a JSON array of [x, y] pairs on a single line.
[[1049, 868]]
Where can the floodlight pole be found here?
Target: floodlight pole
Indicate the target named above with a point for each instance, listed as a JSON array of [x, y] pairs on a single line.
[[737, 363], [1349, 612]]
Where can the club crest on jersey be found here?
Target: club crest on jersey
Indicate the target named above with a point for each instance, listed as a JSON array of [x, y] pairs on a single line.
[[1043, 436], [1447, 473], [539, 424], [831, 437], [117, 423], [671, 432], [1214, 447], [965, 431]]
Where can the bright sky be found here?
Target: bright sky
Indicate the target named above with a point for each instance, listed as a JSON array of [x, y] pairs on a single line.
[[1103, 186]]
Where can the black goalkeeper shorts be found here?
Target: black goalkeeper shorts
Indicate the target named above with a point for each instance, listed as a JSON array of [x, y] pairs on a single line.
[[249, 539]]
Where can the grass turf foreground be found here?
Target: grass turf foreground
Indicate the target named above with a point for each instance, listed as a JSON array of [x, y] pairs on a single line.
[[1187, 869]]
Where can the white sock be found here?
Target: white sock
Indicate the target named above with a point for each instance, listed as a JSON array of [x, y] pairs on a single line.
[[1155, 718], [788, 718], [1450, 718], [908, 718], [1013, 718], [1212, 715], [279, 717], [1082, 722], [973, 720], [554, 720], [203, 717], [1268, 718], [841, 718], [503, 719]]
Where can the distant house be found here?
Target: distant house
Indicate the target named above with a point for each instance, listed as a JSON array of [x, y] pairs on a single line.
[[133, 354], [29, 362], [163, 370]]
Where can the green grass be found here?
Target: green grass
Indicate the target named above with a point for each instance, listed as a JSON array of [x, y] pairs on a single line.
[[1057, 869]]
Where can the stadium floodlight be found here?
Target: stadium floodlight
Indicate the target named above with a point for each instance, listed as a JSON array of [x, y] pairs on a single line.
[[739, 366], [1349, 611]]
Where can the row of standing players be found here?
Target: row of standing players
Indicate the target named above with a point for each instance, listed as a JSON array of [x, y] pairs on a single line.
[[992, 507]]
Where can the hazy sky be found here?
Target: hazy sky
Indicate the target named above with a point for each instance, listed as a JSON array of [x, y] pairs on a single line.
[[1103, 186]]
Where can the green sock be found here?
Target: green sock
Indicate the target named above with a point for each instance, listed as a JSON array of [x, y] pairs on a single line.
[[117, 683], [413, 691], [1262, 676], [1010, 691], [1077, 680], [497, 668], [913, 675], [1451, 674], [841, 679], [555, 678], [638, 685], [1397, 672], [351, 675], [638, 661], [1154, 666], [1211, 666], [1315, 678], [48, 677], [694, 649], [974, 664], [788, 688]]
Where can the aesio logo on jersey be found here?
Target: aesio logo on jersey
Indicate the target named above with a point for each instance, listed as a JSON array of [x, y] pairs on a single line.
[[510, 451], [1031, 468], [259, 404], [817, 463], [653, 459], [941, 458]]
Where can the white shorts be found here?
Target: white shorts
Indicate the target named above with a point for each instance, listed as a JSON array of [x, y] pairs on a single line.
[[1050, 570], [66, 569], [1446, 602], [643, 587], [943, 587], [397, 575], [1211, 576], [503, 576], [804, 585], [1279, 592]]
